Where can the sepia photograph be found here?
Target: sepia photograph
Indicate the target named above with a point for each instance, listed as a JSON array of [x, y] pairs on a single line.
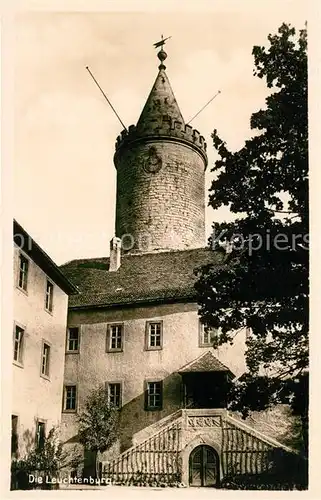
[[160, 249]]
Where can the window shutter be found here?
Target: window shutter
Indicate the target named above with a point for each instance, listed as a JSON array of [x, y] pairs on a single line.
[[161, 395], [122, 329], [146, 394], [146, 336], [108, 338], [120, 395], [107, 391]]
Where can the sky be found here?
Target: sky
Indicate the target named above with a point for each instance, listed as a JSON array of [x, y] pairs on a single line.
[[65, 132]]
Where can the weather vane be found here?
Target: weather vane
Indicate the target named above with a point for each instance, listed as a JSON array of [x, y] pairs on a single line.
[[161, 42], [161, 54]]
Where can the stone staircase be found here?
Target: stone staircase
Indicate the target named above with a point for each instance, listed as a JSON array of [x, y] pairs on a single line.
[[154, 428], [154, 459], [160, 455]]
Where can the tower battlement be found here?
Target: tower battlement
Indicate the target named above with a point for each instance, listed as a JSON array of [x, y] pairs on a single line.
[[162, 128], [160, 165]]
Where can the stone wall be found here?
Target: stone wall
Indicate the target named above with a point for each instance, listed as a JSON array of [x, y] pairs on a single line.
[[161, 195]]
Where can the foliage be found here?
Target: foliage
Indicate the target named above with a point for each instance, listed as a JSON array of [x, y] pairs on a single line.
[[46, 461], [151, 480], [262, 284], [98, 423], [266, 481]]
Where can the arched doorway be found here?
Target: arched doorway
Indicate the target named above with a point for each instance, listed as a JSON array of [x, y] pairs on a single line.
[[204, 467]]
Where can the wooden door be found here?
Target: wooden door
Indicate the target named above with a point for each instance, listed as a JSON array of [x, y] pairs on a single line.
[[203, 467]]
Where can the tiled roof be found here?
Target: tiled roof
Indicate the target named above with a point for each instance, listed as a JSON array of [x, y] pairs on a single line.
[[207, 362], [150, 277]]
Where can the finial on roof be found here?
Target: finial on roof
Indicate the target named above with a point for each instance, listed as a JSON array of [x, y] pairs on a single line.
[[161, 54]]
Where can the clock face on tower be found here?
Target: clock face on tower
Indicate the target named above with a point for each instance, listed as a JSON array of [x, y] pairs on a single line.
[[152, 163]]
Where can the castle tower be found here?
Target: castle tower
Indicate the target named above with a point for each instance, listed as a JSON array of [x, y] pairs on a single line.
[[160, 166]]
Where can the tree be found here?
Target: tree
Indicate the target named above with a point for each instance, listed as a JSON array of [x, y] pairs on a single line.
[[98, 424], [45, 461], [262, 282]]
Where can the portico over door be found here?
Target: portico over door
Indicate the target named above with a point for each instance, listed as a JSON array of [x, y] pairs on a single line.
[[205, 383]]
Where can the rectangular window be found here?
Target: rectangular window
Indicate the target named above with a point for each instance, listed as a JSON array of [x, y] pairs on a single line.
[[115, 334], [18, 342], [23, 272], [70, 398], [154, 395], [206, 336], [154, 335], [45, 360], [40, 435], [73, 339], [114, 394], [49, 296], [14, 435]]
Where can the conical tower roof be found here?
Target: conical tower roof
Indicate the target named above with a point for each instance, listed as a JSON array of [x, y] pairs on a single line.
[[161, 119], [160, 166], [161, 103]]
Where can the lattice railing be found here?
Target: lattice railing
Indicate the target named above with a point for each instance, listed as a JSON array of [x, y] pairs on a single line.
[[158, 458], [245, 451], [155, 459]]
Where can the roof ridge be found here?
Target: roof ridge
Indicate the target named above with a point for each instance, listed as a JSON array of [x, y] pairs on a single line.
[[221, 366], [169, 251], [83, 259], [137, 254]]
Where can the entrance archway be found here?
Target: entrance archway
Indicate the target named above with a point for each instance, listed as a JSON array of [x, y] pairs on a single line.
[[204, 467]]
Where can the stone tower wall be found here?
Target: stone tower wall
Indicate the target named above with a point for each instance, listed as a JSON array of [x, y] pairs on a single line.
[[160, 196], [161, 188]]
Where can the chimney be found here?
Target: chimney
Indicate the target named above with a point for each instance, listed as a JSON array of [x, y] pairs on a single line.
[[115, 254]]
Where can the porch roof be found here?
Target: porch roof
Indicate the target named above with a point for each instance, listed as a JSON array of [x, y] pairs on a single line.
[[206, 362]]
